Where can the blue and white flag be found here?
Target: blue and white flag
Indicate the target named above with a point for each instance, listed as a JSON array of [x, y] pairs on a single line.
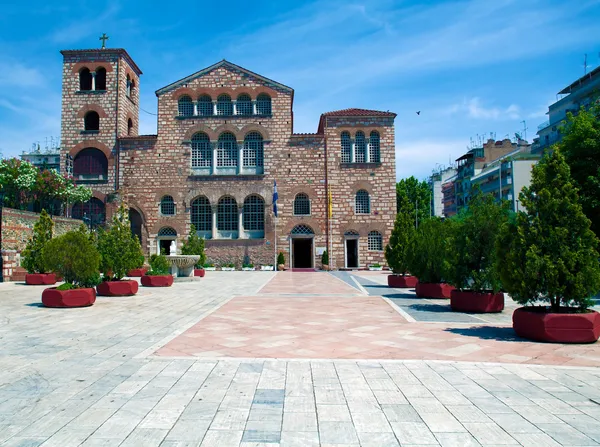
[[275, 197]]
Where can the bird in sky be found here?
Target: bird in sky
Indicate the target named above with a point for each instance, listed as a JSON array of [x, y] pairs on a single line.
[[419, 112]]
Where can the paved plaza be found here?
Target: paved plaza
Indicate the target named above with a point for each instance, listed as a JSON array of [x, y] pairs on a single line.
[[284, 359]]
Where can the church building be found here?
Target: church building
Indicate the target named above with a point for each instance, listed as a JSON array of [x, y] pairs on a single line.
[[224, 138]]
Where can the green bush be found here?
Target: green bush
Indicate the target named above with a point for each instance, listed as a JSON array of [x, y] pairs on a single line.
[[159, 265], [428, 257], [32, 259], [473, 254], [119, 248], [548, 253], [194, 246], [325, 258], [280, 259], [401, 240], [74, 257]]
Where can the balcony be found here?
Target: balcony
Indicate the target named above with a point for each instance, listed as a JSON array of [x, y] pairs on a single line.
[[543, 125]]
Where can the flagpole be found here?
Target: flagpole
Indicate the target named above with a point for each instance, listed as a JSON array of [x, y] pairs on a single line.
[[275, 244]]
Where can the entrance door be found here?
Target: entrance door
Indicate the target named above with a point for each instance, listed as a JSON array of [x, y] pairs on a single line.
[[302, 253], [165, 246], [352, 253]]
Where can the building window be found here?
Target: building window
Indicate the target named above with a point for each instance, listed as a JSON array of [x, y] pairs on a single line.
[[253, 150], [90, 164], [227, 214], [205, 106], [346, 147], [227, 150], [374, 151], [85, 79], [91, 121], [254, 214], [167, 206], [375, 241], [185, 106], [167, 231], [301, 205], [129, 126], [244, 105], [91, 212], [201, 214], [302, 230], [224, 105], [201, 151], [263, 104], [363, 205], [360, 147], [100, 78], [128, 86]]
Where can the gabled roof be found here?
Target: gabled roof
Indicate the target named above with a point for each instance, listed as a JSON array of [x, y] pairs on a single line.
[[353, 112], [226, 64], [99, 52]]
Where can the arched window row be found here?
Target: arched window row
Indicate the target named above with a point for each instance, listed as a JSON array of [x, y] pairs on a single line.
[[92, 80], [224, 105], [229, 220], [360, 149], [226, 155]]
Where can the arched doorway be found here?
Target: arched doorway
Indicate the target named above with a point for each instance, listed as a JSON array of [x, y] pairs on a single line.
[[135, 220], [166, 235], [302, 247], [351, 249]]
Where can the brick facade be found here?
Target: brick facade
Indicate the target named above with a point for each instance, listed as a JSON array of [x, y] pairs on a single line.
[[143, 169]]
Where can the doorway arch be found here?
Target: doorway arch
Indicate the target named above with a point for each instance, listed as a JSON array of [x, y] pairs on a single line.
[[165, 236], [302, 247]]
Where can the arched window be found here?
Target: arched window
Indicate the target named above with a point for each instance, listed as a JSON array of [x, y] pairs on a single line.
[[227, 214], [167, 231], [363, 205], [129, 86], [91, 212], [90, 164], [254, 216], [201, 151], [205, 105], [375, 241], [224, 105], [253, 150], [227, 150], [301, 205], [91, 121], [360, 147], [346, 147], [85, 79], [263, 104], [201, 214], [374, 151], [101, 78], [244, 105], [129, 126], [185, 106], [167, 206]]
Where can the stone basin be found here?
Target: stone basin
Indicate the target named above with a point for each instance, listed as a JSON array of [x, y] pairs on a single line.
[[182, 265]]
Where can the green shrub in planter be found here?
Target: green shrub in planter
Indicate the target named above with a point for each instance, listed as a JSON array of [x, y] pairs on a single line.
[[32, 259], [401, 240], [428, 256], [73, 257], [119, 248], [194, 245], [159, 266], [325, 258], [548, 253], [473, 253], [280, 259]]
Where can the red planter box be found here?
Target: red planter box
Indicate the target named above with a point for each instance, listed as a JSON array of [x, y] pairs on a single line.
[[557, 328], [136, 273], [157, 281], [402, 282], [117, 288], [40, 279], [68, 298], [467, 301], [433, 290], [199, 272]]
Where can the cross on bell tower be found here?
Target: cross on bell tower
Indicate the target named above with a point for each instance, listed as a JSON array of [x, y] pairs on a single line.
[[103, 38]]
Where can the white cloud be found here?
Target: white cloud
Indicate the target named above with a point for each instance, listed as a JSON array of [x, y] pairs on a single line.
[[14, 74], [420, 157], [475, 109]]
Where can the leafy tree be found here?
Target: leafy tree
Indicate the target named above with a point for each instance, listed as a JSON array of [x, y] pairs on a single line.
[[159, 265], [33, 260], [474, 244], [119, 247], [414, 197], [548, 253], [581, 148], [74, 257], [194, 246], [397, 251], [428, 257]]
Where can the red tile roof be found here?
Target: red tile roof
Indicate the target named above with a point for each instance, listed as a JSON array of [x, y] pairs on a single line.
[[358, 112]]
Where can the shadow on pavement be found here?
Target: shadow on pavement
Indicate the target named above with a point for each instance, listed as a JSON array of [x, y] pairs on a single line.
[[34, 304], [438, 308], [488, 333]]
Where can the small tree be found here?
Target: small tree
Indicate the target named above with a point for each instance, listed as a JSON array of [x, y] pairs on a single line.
[[548, 253], [158, 265], [194, 246], [325, 258], [119, 247], [397, 251], [32, 255], [428, 257], [280, 259], [74, 257], [474, 244]]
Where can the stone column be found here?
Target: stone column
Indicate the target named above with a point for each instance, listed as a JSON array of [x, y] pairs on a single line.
[[195, 108], [254, 109], [241, 234], [234, 102], [93, 73], [352, 152], [214, 107], [368, 154], [240, 157], [214, 159], [214, 220]]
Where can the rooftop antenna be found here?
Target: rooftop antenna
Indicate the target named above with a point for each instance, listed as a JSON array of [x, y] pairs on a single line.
[[524, 130], [46, 146], [585, 64]]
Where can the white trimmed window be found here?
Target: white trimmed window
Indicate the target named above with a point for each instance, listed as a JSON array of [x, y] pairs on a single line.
[[205, 106], [244, 105], [201, 214], [224, 105], [227, 150], [374, 151], [263, 104], [301, 205], [227, 214], [363, 205], [360, 147], [185, 106], [253, 150], [167, 206], [254, 215], [375, 241], [201, 151], [346, 147]]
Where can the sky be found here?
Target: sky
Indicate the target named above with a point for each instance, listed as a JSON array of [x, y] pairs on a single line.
[[472, 68]]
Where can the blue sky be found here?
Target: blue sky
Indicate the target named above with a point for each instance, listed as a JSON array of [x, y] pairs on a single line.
[[471, 67]]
